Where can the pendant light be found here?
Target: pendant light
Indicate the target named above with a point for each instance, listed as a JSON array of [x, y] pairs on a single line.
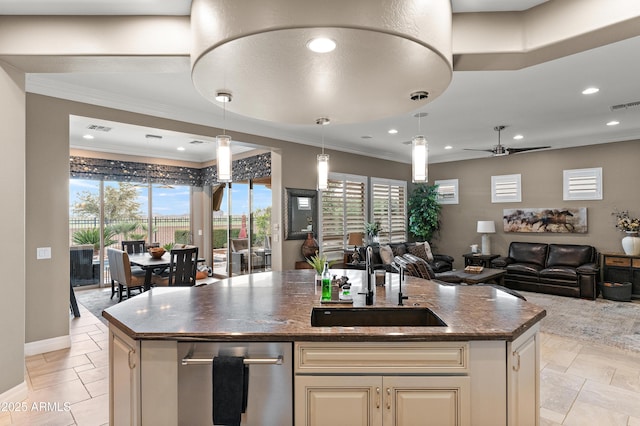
[[223, 143], [323, 160], [419, 156]]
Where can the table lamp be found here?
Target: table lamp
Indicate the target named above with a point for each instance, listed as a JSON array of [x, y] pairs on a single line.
[[356, 239], [486, 227]]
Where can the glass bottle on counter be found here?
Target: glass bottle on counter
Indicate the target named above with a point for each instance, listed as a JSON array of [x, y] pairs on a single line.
[[326, 282]]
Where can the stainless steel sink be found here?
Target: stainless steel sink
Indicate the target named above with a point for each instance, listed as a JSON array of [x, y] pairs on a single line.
[[375, 317]]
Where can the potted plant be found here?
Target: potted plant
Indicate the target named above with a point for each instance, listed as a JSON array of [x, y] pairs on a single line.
[[424, 209], [372, 229], [317, 263]]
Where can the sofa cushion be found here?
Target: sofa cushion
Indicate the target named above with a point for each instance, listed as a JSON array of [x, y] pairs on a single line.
[[419, 251], [398, 249], [559, 272], [386, 255], [569, 255], [533, 253], [427, 249], [524, 269]]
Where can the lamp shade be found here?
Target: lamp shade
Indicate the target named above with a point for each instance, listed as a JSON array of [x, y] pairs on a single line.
[[223, 158], [419, 160], [486, 227], [323, 171], [356, 239]]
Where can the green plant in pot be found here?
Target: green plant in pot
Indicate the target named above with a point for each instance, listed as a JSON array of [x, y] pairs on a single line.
[[424, 211], [372, 229], [317, 263]]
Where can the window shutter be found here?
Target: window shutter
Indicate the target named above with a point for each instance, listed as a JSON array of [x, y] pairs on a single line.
[[447, 191], [506, 189], [390, 209], [582, 184], [343, 211]]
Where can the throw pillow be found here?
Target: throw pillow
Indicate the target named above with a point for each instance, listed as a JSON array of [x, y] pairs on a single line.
[[398, 249], [427, 248], [418, 250], [386, 254]]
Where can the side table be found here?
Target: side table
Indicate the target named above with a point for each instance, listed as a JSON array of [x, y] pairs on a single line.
[[477, 259]]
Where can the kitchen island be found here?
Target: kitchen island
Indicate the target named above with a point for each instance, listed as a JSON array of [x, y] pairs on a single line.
[[482, 364]]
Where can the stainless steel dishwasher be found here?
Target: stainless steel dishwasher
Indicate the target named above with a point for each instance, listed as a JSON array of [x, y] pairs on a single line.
[[270, 396]]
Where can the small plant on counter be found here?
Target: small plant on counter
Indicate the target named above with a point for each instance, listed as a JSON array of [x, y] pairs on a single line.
[[317, 262]]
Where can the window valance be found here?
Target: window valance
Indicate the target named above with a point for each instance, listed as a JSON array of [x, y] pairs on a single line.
[[130, 171]]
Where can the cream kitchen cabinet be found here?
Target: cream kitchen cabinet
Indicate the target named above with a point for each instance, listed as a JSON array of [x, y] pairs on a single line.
[[124, 379], [433, 387], [523, 355], [386, 400]]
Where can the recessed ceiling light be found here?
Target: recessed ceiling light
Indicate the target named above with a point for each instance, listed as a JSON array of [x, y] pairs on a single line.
[[180, 148], [448, 147], [393, 131], [518, 137], [613, 123], [223, 97], [590, 90], [321, 45], [87, 137]]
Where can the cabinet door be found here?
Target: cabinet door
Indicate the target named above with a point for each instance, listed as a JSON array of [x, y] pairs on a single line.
[[124, 373], [427, 400], [338, 400], [524, 388]]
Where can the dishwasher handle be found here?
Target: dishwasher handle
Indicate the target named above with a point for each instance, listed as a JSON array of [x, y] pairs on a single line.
[[188, 360]]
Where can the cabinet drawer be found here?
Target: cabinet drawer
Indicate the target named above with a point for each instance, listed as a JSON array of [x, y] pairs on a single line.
[[635, 263], [617, 261], [396, 358]]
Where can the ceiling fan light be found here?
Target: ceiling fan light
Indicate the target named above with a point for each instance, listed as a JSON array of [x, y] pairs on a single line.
[[223, 158], [419, 159]]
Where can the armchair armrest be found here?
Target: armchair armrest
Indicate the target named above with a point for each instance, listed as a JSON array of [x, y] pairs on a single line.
[[443, 257], [501, 262], [588, 269]]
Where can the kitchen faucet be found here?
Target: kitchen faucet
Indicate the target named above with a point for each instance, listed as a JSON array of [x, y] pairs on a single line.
[[401, 273], [368, 298]]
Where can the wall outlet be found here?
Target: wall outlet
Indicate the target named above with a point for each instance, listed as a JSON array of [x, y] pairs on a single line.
[[200, 232], [43, 253]]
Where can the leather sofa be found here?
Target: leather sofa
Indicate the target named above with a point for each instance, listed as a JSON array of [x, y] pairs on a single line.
[[561, 269], [440, 262]]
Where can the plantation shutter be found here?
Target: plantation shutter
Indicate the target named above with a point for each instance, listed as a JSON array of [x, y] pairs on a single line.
[[343, 210], [390, 209]]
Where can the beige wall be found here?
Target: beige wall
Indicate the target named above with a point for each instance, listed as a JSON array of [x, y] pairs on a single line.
[[12, 225], [541, 187]]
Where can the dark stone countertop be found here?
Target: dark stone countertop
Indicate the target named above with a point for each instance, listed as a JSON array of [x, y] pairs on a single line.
[[276, 306]]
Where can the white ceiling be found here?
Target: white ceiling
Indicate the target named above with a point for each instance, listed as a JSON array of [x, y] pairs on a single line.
[[543, 102]]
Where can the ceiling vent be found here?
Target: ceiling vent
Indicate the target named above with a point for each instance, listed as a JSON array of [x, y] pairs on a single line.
[[196, 142], [630, 105], [99, 128]]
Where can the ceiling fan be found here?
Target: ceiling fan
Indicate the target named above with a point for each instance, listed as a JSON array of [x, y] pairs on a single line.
[[499, 150]]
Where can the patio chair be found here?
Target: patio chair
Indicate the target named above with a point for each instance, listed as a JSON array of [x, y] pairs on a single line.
[[134, 246]]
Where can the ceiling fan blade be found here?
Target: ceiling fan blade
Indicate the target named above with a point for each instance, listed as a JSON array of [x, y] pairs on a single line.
[[531, 148], [483, 150]]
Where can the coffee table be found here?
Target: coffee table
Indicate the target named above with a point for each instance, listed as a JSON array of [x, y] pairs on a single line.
[[488, 275]]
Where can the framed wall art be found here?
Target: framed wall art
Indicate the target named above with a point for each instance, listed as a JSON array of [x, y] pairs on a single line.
[[555, 220]]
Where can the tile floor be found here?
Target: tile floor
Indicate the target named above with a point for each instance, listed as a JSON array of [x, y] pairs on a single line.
[[581, 384]]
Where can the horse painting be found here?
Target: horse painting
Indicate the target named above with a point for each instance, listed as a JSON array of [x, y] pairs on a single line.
[[562, 220]]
